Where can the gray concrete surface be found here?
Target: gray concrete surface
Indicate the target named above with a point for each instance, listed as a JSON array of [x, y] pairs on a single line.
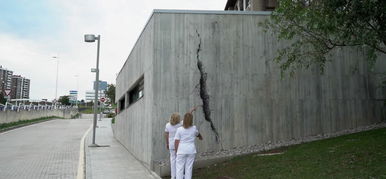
[[249, 102], [44, 150], [13, 116], [112, 161]]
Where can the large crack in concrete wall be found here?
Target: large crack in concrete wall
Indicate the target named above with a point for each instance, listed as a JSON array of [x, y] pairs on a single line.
[[203, 91]]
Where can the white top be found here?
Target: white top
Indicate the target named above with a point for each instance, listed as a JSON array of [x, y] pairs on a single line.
[[172, 132], [186, 137]]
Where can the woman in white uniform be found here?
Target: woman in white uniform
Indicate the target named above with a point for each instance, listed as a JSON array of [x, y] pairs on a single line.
[[185, 147], [170, 131]]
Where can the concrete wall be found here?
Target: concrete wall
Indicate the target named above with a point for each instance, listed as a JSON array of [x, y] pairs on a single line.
[[14, 116], [250, 104], [133, 124]]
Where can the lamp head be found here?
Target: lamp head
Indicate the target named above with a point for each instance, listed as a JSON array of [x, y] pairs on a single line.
[[90, 38]]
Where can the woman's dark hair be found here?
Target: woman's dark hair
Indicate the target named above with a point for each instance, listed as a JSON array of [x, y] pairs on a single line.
[[188, 120]]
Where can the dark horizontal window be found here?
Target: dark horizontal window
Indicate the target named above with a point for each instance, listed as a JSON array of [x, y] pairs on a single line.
[[137, 91], [121, 104]]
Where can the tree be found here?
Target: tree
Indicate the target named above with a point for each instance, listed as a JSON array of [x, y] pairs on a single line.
[[316, 27], [2, 99], [65, 100], [110, 93]]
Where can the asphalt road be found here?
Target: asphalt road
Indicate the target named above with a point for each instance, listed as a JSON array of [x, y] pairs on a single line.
[[44, 150]]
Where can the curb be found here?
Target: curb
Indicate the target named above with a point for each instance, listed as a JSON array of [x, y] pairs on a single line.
[[81, 174]]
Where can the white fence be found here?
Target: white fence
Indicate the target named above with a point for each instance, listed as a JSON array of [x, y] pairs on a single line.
[[33, 107]]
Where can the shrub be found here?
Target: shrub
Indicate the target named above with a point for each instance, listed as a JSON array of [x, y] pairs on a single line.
[[111, 115]]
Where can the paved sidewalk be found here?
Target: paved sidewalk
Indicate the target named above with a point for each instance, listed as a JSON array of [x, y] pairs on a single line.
[[113, 162], [46, 150]]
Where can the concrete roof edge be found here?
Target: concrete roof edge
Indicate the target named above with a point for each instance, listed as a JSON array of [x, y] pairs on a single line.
[[173, 11], [140, 34], [221, 12]]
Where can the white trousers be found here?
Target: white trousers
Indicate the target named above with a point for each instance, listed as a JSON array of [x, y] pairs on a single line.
[[173, 163], [184, 162]]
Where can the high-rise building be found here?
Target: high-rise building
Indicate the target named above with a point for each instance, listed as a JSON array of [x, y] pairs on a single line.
[[16, 87], [5, 80], [13, 86], [19, 87], [25, 88]]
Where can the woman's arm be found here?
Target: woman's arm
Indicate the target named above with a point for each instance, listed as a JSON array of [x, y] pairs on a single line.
[[199, 136], [194, 109], [167, 139], [176, 143]]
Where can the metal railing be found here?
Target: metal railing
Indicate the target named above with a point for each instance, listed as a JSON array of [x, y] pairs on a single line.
[[33, 107]]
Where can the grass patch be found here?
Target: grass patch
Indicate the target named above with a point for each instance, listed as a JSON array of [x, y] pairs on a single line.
[[5, 126], [88, 110], [360, 155]]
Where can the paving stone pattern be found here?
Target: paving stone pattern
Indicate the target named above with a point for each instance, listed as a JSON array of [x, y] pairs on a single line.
[[45, 150], [113, 161]]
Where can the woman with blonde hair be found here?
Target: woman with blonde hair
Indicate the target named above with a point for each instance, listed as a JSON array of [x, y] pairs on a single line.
[[185, 147], [170, 131]]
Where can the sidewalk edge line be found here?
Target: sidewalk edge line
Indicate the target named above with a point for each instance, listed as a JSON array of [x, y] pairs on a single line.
[[81, 164]]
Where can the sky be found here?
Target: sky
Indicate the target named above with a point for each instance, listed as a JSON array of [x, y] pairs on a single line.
[[33, 32]]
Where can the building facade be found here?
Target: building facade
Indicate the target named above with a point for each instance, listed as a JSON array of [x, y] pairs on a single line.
[[250, 5], [20, 87], [26, 88], [5, 80], [17, 86], [223, 61]]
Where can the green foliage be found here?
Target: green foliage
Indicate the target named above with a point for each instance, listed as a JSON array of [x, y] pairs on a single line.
[[113, 120], [65, 100], [2, 99], [313, 28], [87, 110], [360, 155], [110, 115], [110, 93]]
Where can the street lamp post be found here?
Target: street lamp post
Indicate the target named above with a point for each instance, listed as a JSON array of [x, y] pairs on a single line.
[[92, 38], [77, 89], [57, 72]]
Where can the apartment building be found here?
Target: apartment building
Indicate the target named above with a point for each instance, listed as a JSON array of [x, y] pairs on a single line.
[[5, 79], [19, 87]]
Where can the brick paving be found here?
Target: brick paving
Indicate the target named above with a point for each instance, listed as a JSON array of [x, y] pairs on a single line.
[[113, 161], [45, 150]]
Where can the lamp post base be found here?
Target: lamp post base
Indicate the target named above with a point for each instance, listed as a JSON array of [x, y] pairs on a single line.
[[96, 145]]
